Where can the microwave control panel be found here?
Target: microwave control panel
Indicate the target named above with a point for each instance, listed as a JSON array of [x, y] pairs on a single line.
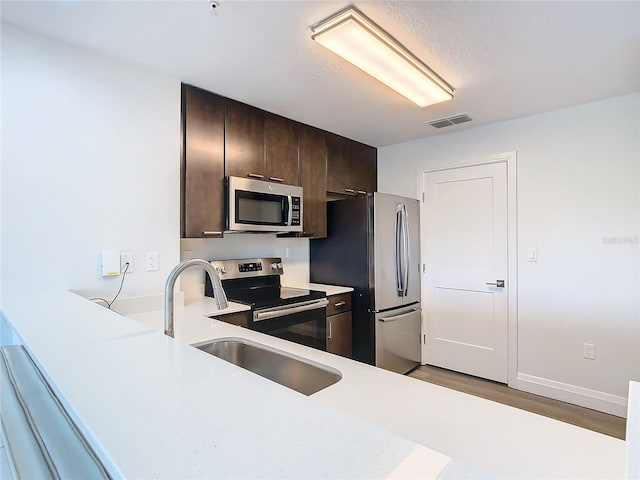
[[295, 210]]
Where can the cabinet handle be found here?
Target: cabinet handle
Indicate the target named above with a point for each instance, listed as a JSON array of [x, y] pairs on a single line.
[[339, 304], [329, 336], [255, 175], [276, 179], [361, 192], [211, 233], [349, 190]]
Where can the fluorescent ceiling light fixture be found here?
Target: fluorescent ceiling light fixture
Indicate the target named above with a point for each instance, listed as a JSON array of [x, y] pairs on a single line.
[[353, 36]]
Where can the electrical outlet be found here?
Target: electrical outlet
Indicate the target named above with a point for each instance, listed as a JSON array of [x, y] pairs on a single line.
[[152, 261], [126, 257], [589, 350]]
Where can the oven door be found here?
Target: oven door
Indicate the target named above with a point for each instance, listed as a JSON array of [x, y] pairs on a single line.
[[257, 209], [303, 323]]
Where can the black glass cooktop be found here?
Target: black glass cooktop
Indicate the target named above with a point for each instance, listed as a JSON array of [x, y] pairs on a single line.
[[266, 297], [264, 292]]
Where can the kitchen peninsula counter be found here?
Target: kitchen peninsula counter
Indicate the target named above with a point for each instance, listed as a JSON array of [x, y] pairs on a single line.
[[197, 416], [155, 407]]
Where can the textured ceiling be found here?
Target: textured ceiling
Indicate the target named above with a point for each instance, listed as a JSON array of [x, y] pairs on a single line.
[[505, 59]]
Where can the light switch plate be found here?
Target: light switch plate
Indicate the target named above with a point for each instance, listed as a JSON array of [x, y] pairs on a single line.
[[532, 255], [589, 351]]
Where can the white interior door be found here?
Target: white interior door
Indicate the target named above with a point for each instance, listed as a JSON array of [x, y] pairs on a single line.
[[464, 235]]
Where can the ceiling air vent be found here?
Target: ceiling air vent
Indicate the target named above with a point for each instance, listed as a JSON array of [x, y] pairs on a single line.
[[453, 120]]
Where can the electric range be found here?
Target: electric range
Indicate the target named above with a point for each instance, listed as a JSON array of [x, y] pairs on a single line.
[[295, 314]]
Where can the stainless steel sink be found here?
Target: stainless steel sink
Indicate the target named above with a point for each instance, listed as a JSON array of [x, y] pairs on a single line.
[[285, 369]]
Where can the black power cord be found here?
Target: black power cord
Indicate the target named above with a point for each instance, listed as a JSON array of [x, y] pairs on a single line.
[[109, 303]]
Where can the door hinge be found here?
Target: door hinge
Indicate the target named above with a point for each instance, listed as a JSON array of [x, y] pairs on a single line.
[[424, 338], [422, 197], [424, 268]]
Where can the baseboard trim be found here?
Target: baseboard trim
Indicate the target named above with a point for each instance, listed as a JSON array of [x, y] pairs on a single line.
[[584, 397]]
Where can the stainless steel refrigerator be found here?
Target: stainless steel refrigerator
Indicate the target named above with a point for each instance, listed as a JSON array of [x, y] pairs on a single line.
[[373, 245]]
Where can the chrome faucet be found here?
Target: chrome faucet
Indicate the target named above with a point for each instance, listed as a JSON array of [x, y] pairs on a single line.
[[218, 291]]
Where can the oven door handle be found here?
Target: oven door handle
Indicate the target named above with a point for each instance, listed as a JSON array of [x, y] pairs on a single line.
[[289, 310]]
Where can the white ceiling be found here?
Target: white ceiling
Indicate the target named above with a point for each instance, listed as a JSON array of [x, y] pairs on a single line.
[[505, 59]]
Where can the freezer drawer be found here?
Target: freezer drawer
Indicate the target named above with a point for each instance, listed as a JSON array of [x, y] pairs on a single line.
[[398, 339]]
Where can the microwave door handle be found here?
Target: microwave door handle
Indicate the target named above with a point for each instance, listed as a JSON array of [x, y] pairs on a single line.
[[290, 211]]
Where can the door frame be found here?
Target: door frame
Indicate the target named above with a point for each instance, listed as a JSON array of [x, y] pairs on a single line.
[[510, 159]]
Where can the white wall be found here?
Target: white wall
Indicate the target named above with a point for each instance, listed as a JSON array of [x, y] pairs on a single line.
[[90, 160], [578, 204]]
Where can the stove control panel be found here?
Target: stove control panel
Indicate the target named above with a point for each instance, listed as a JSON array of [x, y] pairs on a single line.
[[248, 267]]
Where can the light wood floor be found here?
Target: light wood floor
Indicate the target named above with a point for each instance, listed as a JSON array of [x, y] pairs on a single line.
[[498, 392]]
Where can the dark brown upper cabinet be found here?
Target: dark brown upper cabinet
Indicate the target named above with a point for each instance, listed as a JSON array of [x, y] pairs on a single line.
[[202, 166], [244, 141], [313, 175], [222, 137], [351, 166], [281, 149], [338, 165], [364, 167], [260, 144]]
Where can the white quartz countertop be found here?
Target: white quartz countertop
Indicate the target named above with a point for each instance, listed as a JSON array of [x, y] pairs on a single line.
[[155, 407], [487, 437], [198, 416], [328, 289]]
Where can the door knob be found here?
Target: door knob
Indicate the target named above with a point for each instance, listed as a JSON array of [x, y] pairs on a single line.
[[497, 283]]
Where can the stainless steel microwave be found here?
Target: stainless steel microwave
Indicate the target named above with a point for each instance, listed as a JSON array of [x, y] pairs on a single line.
[[259, 206]]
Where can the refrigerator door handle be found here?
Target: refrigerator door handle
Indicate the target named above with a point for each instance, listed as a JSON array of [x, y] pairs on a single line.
[[397, 317], [405, 234], [399, 259]]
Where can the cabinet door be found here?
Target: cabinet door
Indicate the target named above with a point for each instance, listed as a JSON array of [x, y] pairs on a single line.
[[313, 169], [364, 168], [281, 149], [202, 187], [338, 165], [339, 334], [351, 166], [244, 141]]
